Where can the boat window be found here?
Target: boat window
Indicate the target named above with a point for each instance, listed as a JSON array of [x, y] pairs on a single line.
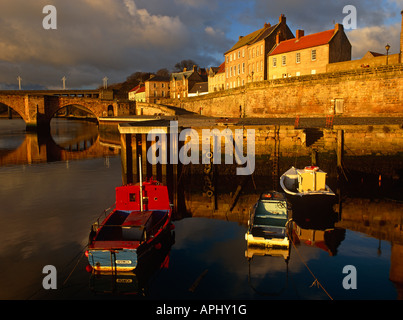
[[277, 208], [132, 197]]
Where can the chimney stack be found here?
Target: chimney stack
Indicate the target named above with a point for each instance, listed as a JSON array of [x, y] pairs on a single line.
[[282, 18], [279, 37], [299, 33], [338, 27]]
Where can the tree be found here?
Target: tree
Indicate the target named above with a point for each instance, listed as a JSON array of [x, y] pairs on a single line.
[[188, 64], [164, 72]]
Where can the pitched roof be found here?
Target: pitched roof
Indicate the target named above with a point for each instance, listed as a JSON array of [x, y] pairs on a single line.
[[138, 89], [221, 68], [308, 41], [158, 78], [199, 87], [253, 37], [181, 75]]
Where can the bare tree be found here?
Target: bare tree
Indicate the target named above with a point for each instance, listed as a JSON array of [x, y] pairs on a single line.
[[188, 64]]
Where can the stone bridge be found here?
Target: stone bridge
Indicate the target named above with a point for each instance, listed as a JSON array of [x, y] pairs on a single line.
[[38, 107]]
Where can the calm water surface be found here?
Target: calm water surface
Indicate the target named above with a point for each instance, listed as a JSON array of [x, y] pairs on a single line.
[[49, 202]]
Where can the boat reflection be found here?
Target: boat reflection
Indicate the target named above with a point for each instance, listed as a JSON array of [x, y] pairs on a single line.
[[137, 281], [314, 225], [273, 258]]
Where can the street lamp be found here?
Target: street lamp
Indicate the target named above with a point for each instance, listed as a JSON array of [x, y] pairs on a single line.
[[387, 47]]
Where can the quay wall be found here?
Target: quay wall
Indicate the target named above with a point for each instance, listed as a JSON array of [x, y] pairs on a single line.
[[372, 91]]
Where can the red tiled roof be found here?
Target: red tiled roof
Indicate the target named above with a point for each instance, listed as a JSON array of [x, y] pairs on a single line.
[[308, 41], [138, 89], [221, 68]]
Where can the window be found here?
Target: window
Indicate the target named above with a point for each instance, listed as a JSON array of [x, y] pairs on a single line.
[[313, 54], [239, 54], [283, 60], [239, 69], [243, 67], [298, 73], [274, 62], [298, 57], [313, 71], [243, 52]]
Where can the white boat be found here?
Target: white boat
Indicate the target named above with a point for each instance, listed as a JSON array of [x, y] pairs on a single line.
[[305, 182]]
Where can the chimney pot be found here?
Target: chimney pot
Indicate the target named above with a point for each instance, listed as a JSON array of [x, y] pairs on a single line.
[[282, 18]]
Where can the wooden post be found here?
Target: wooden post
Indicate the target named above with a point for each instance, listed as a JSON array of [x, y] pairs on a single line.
[[314, 157], [127, 158], [340, 148]]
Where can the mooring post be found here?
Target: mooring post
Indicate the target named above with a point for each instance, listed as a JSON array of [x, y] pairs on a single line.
[[340, 148]]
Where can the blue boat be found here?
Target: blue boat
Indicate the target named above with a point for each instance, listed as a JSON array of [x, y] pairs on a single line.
[[268, 221]]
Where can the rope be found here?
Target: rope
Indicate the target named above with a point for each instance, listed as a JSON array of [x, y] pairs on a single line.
[[74, 268], [316, 281]]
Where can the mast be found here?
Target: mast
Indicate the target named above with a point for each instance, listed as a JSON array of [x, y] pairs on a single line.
[[141, 184]]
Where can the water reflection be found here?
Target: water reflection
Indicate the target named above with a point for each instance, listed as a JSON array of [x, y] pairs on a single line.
[[210, 226], [68, 140], [138, 281]]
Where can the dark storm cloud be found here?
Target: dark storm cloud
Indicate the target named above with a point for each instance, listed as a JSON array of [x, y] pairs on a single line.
[[315, 16], [96, 38], [114, 38]]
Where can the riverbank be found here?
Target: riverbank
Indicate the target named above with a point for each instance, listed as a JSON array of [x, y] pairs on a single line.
[[194, 120]]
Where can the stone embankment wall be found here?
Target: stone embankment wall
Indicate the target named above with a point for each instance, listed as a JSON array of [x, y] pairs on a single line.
[[372, 91]]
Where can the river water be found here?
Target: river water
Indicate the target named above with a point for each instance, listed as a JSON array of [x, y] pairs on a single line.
[[52, 189]]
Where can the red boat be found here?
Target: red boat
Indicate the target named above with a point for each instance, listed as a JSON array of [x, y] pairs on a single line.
[[142, 213]]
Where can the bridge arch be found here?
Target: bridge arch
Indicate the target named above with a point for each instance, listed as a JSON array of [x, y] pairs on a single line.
[[15, 109], [76, 106]]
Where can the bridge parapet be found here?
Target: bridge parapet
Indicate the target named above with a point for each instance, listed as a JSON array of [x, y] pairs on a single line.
[[103, 94], [38, 107]]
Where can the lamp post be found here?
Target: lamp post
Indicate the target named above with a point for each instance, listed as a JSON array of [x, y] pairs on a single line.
[[387, 47]]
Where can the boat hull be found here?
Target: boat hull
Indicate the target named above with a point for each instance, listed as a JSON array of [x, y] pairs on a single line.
[[268, 222], [291, 183], [110, 260], [141, 215]]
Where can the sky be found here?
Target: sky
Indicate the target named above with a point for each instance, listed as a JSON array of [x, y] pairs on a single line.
[[115, 38]]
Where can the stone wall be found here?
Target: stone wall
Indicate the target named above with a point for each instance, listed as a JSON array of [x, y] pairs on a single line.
[[363, 92]]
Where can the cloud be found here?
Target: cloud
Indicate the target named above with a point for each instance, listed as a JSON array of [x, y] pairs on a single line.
[[115, 37], [374, 38]]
